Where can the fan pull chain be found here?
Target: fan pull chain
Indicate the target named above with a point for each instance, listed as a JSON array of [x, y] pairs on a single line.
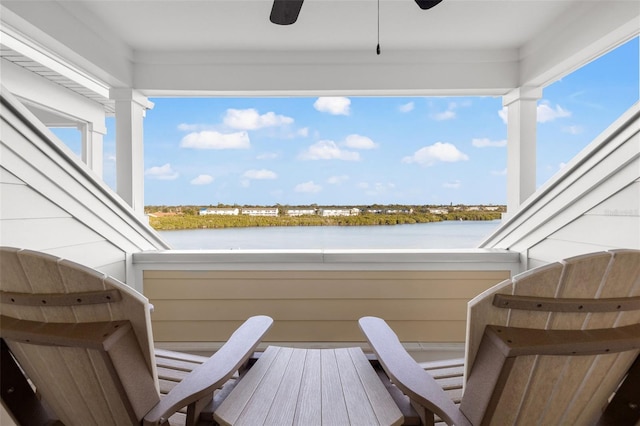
[[378, 46]]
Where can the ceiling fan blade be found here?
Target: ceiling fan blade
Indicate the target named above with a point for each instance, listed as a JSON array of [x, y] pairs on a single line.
[[427, 4], [285, 12]]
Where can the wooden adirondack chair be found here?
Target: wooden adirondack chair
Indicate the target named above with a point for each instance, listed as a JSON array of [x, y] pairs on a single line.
[[549, 346], [84, 341]]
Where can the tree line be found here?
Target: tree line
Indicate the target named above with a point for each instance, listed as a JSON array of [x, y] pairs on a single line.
[[195, 221]]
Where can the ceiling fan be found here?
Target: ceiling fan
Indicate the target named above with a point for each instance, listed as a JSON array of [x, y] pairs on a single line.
[[285, 12]]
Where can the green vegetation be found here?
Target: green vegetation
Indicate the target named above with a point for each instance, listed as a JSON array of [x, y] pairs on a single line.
[[187, 218]]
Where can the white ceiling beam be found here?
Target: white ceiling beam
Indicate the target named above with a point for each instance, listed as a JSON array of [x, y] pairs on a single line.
[[349, 73]]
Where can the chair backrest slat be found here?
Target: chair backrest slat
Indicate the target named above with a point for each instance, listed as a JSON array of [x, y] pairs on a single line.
[[549, 304], [60, 299]]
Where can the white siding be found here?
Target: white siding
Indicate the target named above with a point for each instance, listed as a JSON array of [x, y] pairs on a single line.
[[604, 227], [594, 204], [53, 203]]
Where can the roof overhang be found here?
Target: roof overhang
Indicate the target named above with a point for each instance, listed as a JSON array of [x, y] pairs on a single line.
[[222, 47]]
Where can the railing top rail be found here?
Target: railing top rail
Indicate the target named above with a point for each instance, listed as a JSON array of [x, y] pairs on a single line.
[[480, 259]]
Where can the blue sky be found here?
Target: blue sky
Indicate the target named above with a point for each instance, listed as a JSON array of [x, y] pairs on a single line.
[[363, 150]]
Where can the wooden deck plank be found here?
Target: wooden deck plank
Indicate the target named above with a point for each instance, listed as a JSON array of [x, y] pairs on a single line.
[[334, 408], [386, 412], [232, 410], [286, 399], [359, 412], [257, 411], [310, 400]]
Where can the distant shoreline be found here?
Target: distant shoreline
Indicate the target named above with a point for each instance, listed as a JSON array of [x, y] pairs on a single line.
[[185, 221]]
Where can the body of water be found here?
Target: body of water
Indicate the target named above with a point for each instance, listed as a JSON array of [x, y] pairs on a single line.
[[436, 235]]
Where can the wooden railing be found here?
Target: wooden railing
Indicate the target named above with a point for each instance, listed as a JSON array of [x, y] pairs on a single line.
[[316, 296]]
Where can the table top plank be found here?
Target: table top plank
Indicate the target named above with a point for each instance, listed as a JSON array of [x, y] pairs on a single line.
[[334, 408], [358, 404], [229, 412], [283, 408], [309, 411], [386, 410], [310, 387], [256, 412]]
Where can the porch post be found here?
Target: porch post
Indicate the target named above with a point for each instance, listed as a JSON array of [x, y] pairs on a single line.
[[92, 147], [521, 106], [130, 108]]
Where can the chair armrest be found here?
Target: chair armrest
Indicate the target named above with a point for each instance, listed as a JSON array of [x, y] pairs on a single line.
[[214, 372], [406, 374]]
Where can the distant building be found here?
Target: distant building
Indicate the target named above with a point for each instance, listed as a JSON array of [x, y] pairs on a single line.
[[396, 211], [301, 212], [219, 211], [438, 211], [261, 211], [492, 208], [340, 212]]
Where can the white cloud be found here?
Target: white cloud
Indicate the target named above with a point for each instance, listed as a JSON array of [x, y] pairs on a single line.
[[377, 188], [408, 107], [573, 130], [250, 119], [309, 187], [445, 115], [334, 105], [440, 151], [210, 139], [452, 185], [304, 132], [260, 174], [337, 180], [267, 156], [328, 150], [502, 172], [164, 172], [186, 127], [202, 180], [545, 112], [359, 142], [486, 142], [503, 115]]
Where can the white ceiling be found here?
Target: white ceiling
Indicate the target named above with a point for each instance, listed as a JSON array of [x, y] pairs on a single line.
[[323, 24], [229, 46]]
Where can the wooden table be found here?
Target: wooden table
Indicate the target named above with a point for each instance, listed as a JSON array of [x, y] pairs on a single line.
[[310, 387]]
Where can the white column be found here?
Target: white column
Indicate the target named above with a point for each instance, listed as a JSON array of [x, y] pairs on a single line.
[[130, 111], [521, 106], [92, 147]]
